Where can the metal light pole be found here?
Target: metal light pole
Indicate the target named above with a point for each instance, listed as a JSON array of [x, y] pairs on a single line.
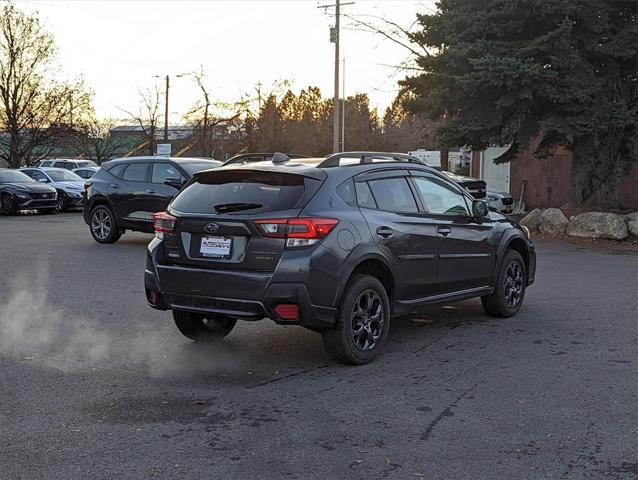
[[166, 111]]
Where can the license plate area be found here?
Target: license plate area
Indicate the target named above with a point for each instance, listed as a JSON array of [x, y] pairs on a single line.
[[216, 247]]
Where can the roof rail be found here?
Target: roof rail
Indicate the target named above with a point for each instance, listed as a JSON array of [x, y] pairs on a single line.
[[334, 160]]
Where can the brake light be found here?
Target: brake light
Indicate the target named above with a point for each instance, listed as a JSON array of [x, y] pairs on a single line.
[[163, 223], [298, 232], [87, 185]]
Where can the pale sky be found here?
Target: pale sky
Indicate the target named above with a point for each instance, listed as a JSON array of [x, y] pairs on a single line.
[[118, 46]]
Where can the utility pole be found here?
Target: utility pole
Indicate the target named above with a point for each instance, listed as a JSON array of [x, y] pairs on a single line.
[[166, 111], [334, 38], [343, 109], [259, 94], [335, 136]]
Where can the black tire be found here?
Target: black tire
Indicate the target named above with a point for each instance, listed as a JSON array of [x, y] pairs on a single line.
[[102, 225], [8, 205], [364, 295], [203, 328], [509, 290], [62, 203]]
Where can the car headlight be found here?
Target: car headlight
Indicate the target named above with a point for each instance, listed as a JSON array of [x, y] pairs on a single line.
[[74, 194], [492, 198], [23, 196], [528, 234]]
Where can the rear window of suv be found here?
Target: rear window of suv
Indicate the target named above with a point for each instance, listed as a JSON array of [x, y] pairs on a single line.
[[241, 192]]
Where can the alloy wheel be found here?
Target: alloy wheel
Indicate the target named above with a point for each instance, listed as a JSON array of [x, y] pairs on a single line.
[[367, 320], [513, 283], [101, 224]]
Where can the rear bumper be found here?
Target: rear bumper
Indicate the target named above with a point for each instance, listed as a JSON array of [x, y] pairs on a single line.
[[241, 295]]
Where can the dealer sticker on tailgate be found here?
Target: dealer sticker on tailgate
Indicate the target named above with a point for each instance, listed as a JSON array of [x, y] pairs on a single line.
[[216, 247]]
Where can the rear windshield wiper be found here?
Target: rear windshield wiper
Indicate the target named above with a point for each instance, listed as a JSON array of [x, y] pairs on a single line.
[[235, 207]]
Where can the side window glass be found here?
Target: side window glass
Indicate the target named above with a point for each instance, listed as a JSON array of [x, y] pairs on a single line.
[[118, 170], [135, 172], [439, 198], [364, 195], [162, 171], [393, 195], [346, 192], [37, 175]]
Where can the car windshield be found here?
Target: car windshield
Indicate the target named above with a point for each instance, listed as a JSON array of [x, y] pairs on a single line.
[[193, 167], [9, 176], [63, 176]]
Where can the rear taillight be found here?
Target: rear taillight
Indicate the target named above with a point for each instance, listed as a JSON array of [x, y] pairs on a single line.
[[87, 185], [163, 223], [298, 232]]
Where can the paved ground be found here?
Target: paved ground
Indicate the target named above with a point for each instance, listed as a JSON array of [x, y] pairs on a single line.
[[94, 384]]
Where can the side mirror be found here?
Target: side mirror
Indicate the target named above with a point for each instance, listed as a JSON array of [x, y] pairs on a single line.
[[43, 180], [480, 208], [177, 183]]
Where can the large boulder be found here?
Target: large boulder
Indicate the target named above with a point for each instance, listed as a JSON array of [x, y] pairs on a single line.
[[632, 223], [552, 221], [531, 219], [598, 225]]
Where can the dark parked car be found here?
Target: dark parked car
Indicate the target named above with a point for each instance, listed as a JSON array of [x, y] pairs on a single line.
[[126, 192], [20, 192], [339, 245]]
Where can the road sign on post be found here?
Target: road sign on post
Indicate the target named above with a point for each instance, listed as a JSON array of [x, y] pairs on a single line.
[[163, 150]]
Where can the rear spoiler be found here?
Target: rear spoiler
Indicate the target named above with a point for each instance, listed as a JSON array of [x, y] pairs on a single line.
[[239, 171]]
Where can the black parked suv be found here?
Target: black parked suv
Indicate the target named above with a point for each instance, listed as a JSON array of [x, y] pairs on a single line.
[[339, 245], [126, 192]]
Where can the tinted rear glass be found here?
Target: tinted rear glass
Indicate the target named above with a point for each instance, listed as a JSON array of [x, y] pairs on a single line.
[[241, 192]]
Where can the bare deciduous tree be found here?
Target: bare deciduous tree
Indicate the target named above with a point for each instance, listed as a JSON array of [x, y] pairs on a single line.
[[94, 140], [210, 120], [147, 117], [36, 112]]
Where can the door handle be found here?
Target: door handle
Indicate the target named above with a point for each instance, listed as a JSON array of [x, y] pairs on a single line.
[[150, 191], [384, 232], [445, 231], [112, 185]]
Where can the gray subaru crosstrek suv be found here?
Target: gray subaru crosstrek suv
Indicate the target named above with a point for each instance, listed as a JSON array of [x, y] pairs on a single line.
[[340, 245]]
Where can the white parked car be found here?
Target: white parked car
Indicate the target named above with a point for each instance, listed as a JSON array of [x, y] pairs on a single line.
[[67, 163], [68, 185], [500, 201]]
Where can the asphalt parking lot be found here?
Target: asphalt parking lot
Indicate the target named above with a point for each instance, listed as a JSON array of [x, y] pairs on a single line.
[[95, 384]]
